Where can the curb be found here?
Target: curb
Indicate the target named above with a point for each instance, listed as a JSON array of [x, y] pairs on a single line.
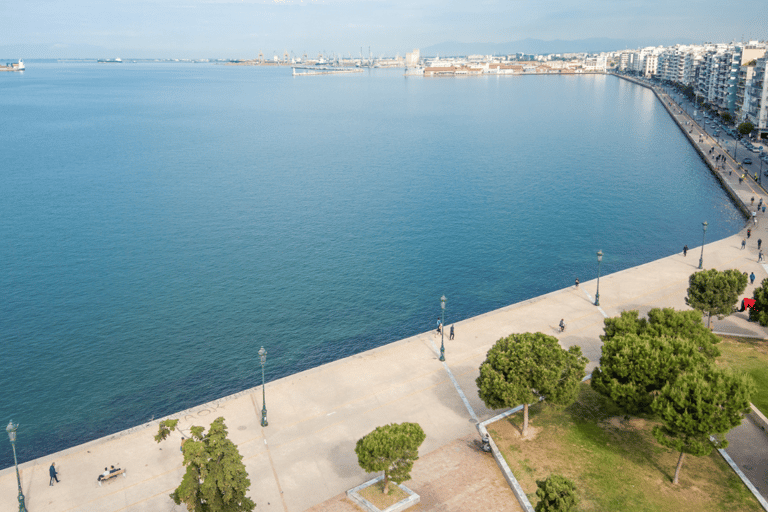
[[363, 503]]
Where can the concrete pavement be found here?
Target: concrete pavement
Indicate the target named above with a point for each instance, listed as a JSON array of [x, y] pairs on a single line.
[[306, 454]]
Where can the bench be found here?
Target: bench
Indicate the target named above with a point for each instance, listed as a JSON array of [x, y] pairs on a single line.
[[112, 474]]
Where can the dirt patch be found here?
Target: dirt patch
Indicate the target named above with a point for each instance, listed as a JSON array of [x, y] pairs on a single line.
[[622, 423], [375, 494]]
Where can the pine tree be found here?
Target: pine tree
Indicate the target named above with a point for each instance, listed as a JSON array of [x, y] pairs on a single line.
[[523, 368], [393, 449], [714, 292], [634, 368], [665, 322], [556, 494], [216, 479], [166, 427], [759, 313], [698, 405]]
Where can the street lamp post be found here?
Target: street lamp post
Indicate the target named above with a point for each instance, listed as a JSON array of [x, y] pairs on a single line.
[[263, 357], [599, 259], [704, 236], [442, 328], [11, 429]]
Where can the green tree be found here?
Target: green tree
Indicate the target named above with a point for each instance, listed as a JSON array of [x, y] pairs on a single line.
[[714, 292], [634, 368], [392, 449], [166, 427], [556, 494], [746, 128], [664, 322], [216, 479], [727, 117], [759, 313], [698, 405], [524, 368]]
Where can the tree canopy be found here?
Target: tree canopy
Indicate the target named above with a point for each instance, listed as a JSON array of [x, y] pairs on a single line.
[[392, 449], [634, 368], [698, 405], [714, 292], [556, 494], [524, 368], [664, 322], [746, 128], [216, 479], [759, 313], [166, 427]]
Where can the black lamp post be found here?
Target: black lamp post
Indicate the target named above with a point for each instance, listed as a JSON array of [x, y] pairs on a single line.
[[11, 429], [442, 328], [263, 357], [599, 259], [704, 236]]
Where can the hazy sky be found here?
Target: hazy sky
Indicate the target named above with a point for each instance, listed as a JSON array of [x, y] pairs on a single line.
[[242, 28]]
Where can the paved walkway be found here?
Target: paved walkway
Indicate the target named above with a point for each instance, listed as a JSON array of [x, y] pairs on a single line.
[[471, 477], [306, 454]]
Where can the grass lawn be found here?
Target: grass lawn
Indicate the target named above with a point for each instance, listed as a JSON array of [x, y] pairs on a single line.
[[615, 466], [375, 494], [750, 356]]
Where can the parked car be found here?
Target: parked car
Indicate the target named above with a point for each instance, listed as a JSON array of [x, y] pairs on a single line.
[[747, 161]]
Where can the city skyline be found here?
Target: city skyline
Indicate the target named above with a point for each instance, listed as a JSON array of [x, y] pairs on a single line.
[[243, 28]]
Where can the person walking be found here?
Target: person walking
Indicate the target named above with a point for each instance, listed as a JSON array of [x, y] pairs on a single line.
[[562, 324], [752, 278], [685, 250], [754, 217], [743, 243], [52, 472], [451, 336], [439, 325], [749, 233], [577, 282], [760, 256], [759, 243]]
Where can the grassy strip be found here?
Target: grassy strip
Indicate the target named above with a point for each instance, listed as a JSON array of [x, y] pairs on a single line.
[[375, 494], [750, 356], [615, 465]]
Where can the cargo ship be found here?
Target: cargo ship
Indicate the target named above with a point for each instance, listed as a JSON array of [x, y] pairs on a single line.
[[13, 66], [118, 60]]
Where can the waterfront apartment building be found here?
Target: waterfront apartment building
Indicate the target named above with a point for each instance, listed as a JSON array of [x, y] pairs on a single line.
[[756, 99]]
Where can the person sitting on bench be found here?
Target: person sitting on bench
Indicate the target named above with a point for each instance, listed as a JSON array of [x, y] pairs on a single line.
[[112, 469], [104, 475]]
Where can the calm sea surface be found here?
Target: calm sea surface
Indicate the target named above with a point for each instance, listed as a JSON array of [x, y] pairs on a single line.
[[160, 222]]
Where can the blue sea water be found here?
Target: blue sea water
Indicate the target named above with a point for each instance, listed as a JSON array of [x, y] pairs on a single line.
[[161, 222]]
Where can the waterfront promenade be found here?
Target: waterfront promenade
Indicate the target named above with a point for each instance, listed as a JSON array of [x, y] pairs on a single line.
[[306, 454]]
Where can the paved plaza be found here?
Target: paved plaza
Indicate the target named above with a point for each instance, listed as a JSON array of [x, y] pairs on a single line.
[[305, 456]]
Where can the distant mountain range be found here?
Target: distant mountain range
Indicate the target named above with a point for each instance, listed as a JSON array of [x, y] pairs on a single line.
[[539, 46], [448, 48]]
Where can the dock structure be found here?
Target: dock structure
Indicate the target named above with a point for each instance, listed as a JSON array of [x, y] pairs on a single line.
[[323, 70]]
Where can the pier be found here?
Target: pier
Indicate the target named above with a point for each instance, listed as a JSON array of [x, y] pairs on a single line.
[[323, 70]]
